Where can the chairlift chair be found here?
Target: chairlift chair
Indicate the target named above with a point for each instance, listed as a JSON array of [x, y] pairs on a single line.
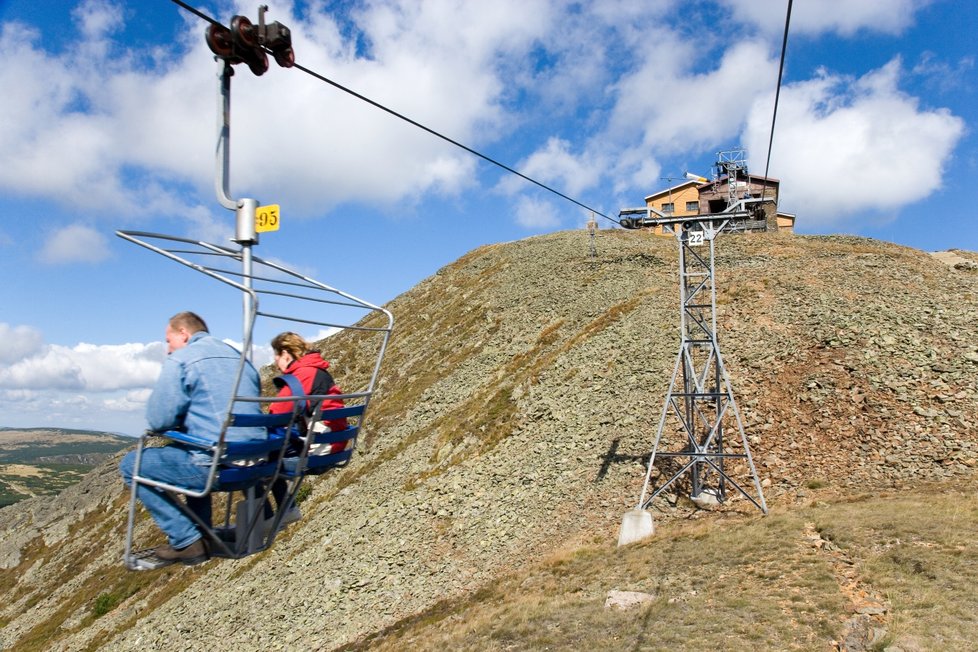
[[251, 467]]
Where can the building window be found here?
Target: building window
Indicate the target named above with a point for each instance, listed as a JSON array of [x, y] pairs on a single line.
[[668, 207], [693, 206]]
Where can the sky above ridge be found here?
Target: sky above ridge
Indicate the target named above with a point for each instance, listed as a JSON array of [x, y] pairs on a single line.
[[110, 116]]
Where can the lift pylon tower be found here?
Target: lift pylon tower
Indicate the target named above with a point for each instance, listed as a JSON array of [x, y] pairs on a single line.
[[700, 401], [592, 228]]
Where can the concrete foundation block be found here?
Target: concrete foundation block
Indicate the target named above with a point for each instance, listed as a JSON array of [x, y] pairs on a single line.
[[635, 526]]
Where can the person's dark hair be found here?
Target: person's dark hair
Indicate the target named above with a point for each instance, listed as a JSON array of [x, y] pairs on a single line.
[[294, 344], [189, 320]]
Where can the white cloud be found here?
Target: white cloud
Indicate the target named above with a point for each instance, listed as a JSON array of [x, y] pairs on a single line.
[[555, 165], [943, 76], [98, 387], [846, 146], [322, 334], [128, 123], [75, 244], [844, 17], [419, 58], [119, 366], [675, 109], [97, 18], [536, 214], [261, 354], [85, 367], [625, 75], [18, 342], [131, 401], [202, 224], [661, 107]]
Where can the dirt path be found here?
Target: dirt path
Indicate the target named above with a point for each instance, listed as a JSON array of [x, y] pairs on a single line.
[[952, 259]]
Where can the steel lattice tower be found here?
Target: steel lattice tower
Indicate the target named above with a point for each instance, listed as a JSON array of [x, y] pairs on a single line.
[[592, 228], [700, 401]]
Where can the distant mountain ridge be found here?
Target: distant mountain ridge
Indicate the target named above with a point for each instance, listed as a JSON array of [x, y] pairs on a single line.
[[514, 415], [44, 461], [64, 431]]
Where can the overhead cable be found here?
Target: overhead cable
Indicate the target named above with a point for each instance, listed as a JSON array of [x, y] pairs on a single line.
[[447, 139], [777, 92], [415, 123], [195, 11]]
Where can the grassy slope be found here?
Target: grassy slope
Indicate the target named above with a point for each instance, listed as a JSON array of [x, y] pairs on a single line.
[[867, 571]]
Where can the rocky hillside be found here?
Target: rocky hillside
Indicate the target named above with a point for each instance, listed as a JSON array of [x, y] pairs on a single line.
[[517, 407]]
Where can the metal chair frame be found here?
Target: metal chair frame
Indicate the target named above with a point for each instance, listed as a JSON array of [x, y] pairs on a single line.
[[265, 460]]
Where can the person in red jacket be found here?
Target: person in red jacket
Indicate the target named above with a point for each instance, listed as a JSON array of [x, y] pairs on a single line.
[[292, 356]]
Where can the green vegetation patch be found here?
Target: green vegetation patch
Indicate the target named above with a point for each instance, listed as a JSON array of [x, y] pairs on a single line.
[[9, 495], [48, 447]]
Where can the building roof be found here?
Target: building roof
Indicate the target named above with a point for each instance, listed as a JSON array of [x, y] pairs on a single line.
[[754, 178], [673, 189]]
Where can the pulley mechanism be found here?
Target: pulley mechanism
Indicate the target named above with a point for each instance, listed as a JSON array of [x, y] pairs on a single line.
[[245, 42]]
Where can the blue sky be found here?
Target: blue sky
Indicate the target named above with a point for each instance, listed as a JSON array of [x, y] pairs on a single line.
[[110, 114]]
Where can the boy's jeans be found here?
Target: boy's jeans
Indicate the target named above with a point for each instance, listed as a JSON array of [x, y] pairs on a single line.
[[178, 466]]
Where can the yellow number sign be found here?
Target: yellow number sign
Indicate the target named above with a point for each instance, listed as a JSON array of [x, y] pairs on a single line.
[[268, 218]]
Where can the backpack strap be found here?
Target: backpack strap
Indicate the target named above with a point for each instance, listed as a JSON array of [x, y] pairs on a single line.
[[293, 383]]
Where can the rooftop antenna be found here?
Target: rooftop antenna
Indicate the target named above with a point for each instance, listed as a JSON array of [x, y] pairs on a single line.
[[670, 180], [743, 193], [732, 165], [699, 402]]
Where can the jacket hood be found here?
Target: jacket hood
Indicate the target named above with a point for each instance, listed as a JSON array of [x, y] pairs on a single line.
[[313, 359]]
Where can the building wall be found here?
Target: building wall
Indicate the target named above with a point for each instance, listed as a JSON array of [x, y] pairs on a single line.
[[719, 196], [702, 194], [679, 198]]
